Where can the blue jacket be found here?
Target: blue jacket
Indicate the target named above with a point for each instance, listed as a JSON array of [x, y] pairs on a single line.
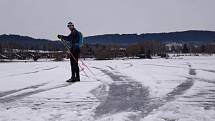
[[73, 39]]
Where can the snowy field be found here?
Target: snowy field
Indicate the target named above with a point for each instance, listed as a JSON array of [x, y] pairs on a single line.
[[180, 89]]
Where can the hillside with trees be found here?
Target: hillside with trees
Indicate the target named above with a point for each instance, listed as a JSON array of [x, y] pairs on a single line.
[[182, 37]]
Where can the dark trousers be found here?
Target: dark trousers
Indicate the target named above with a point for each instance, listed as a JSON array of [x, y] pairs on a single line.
[[74, 63]]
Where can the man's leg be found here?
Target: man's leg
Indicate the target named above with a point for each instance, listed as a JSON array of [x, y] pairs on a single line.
[[72, 68], [77, 52], [72, 79]]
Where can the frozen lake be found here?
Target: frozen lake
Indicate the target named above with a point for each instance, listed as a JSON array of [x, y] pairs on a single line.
[[180, 89]]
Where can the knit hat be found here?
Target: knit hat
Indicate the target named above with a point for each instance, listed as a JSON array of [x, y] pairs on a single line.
[[70, 24]]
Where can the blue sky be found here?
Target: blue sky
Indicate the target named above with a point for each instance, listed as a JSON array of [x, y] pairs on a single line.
[[47, 18]]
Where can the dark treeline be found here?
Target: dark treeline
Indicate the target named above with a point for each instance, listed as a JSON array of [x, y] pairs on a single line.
[[144, 49], [112, 46]]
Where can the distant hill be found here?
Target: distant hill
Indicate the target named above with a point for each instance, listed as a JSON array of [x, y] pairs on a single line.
[[185, 36], [123, 39], [29, 42]]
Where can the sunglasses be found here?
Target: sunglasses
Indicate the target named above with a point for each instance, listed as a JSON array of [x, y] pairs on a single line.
[[70, 25]]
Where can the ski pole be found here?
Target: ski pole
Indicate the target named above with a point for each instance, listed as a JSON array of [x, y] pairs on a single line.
[[65, 44], [68, 48], [87, 68]]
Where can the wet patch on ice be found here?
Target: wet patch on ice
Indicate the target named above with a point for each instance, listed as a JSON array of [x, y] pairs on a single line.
[[127, 96], [124, 97], [101, 92], [180, 89]]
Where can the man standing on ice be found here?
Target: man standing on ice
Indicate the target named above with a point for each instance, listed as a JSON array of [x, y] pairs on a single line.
[[73, 39]]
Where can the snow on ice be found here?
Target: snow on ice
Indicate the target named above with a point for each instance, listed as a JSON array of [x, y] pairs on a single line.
[[179, 89]]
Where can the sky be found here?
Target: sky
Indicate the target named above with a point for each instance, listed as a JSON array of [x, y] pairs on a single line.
[[47, 18]]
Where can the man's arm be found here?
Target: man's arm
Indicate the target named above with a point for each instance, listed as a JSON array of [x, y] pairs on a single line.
[[67, 38]]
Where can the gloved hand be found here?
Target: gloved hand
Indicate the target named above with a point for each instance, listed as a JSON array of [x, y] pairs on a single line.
[[60, 36]]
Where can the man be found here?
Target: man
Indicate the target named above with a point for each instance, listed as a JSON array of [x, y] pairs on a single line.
[[73, 39]]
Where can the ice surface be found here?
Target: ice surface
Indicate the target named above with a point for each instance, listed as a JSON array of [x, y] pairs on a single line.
[[121, 90]]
